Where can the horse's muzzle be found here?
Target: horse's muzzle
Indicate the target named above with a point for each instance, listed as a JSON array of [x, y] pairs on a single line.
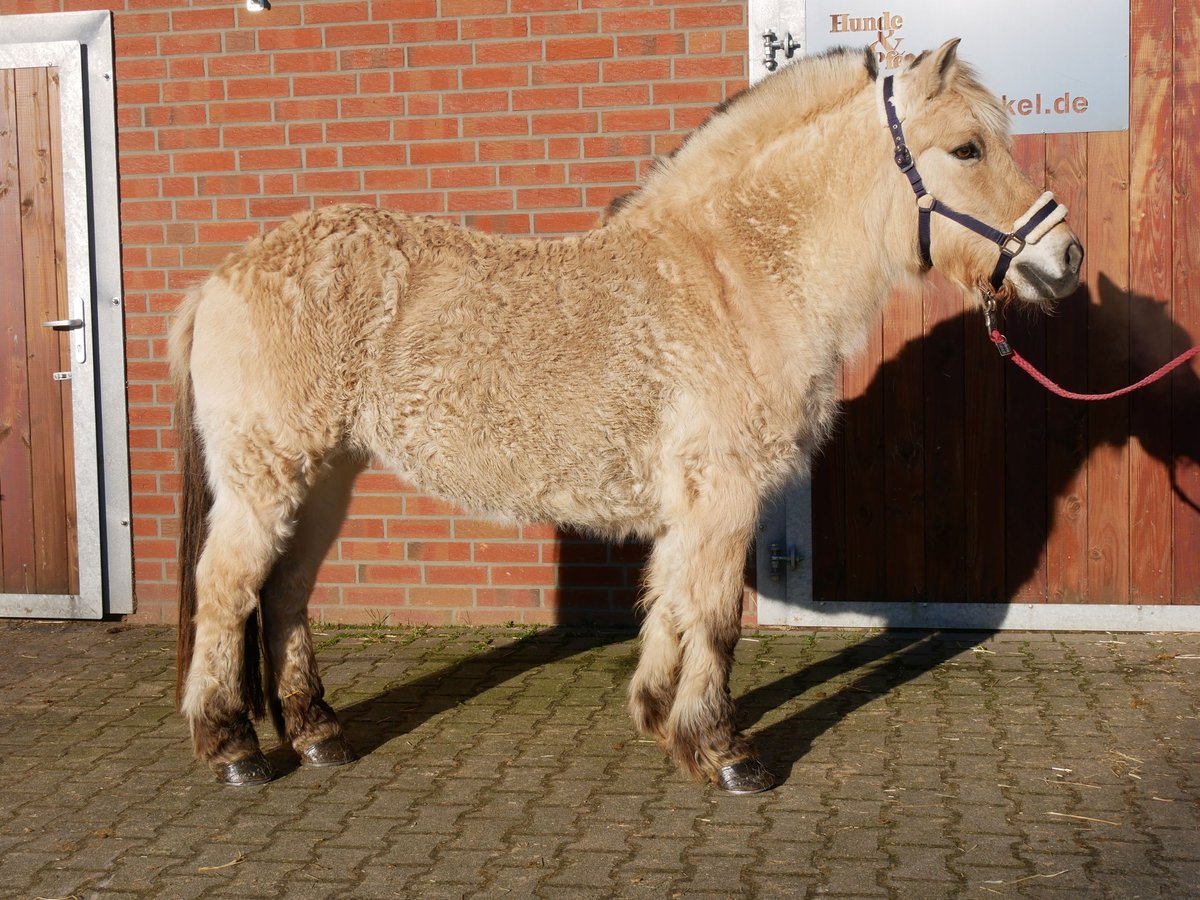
[[1045, 280]]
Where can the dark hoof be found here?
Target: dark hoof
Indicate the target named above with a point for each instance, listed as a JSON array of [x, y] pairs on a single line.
[[746, 777], [253, 769], [332, 751]]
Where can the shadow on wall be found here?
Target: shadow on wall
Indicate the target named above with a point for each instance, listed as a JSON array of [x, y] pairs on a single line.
[[888, 659]]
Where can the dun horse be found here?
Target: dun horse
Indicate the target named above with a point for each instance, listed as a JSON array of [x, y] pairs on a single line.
[[656, 377]]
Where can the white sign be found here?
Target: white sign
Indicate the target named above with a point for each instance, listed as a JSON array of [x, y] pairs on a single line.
[[1057, 65]]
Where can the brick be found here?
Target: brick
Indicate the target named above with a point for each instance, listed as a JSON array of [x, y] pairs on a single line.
[[289, 39], [490, 126], [315, 85], [257, 88], [636, 120], [372, 58], [248, 64], [546, 98], [441, 30], [388, 574], [443, 151], [320, 62], [567, 73], [505, 150], [579, 48], [475, 102], [319, 13], [201, 19], [474, 200], [494, 27], [439, 55], [564, 123], [371, 107], [463, 176], [509, 51], [476, 78], [404, 9]]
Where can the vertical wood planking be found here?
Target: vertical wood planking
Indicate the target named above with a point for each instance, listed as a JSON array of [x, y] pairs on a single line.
[[864, 472], [983, 464], [70, 511], [16, 468], [1150, 292], [904, 466], [41, 304], [1108, 367], [1025, 433], [1185, 384], [945, 537], [1066, 363], [829, 515]]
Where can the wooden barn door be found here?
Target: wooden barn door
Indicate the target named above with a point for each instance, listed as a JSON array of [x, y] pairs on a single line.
[[957, 492], [49, 551]]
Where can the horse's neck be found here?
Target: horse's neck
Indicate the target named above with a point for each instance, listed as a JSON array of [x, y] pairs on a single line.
[[803, 234]]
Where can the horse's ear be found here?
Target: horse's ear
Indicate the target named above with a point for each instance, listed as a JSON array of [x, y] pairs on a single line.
[[932, 72]]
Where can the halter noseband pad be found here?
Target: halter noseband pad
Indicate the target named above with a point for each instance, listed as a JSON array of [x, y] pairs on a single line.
[[1043, 215]]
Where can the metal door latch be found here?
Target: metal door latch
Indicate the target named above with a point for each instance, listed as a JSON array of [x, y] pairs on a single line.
[[62, 376], [772, 45], [781, 557]]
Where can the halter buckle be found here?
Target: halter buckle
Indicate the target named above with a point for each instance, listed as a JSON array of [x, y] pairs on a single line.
[[1013, 244], [903, 159]]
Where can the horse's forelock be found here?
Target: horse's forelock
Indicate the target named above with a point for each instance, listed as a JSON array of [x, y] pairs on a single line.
[[984, 105]]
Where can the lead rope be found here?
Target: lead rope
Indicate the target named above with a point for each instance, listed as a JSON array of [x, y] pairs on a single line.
[[1005, 349]]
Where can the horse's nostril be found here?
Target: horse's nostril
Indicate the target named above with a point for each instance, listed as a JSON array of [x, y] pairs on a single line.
[[1074, 256]]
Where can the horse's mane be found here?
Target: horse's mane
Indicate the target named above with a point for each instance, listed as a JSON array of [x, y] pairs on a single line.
[[805, 88]]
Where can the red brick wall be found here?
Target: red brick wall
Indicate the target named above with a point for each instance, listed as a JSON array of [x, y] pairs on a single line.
[[516, 116]]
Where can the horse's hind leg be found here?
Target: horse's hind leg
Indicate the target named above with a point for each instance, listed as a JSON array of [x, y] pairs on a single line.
[[253, 503], [697, 570], [295, 692]]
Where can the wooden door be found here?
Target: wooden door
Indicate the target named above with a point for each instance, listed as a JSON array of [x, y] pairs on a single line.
[[37, 498], [45, 365]]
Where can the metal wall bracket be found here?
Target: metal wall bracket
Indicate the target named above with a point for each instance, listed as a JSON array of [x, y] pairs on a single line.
[[781, 559], [773, 45]]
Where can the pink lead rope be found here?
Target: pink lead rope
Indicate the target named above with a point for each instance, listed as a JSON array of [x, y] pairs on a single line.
[[1005, 350]]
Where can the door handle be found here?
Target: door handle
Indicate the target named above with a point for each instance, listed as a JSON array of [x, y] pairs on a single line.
[[75, 323]]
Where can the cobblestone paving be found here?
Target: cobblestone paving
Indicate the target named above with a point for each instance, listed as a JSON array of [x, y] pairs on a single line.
[[503, 762]]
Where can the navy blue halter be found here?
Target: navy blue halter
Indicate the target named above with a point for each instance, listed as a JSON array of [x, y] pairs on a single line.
[[1010, 242]]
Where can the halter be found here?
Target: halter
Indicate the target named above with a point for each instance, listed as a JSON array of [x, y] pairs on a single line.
[[1043, 215]]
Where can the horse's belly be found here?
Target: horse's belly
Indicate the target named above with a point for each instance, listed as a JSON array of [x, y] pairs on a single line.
[[518, 454]]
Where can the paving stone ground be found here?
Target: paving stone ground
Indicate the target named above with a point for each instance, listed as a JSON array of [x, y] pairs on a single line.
[[502, 762]]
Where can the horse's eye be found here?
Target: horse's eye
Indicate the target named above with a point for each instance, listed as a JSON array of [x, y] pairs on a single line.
[[969, 150]]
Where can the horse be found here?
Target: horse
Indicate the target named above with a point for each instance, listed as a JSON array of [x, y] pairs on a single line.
[[657, 377]]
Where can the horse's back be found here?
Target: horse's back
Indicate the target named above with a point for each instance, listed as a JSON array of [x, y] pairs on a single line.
[[519, 377]]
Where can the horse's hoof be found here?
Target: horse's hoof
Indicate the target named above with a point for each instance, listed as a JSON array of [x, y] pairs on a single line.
[[746, 777], [254, 769], [332, 751]]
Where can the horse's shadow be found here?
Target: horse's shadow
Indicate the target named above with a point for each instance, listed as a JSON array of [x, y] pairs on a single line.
[[885, 660]]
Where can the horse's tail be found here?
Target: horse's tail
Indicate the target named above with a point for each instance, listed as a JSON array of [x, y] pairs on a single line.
[[195, 504]]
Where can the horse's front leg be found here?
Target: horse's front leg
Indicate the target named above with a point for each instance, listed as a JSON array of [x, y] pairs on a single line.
[[681, 688]]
